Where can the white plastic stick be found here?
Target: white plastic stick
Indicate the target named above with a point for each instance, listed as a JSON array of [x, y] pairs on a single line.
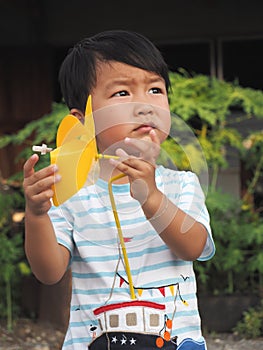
[[42, 149]]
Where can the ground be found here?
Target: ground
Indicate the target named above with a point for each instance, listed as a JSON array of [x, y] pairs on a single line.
[[29, 335]]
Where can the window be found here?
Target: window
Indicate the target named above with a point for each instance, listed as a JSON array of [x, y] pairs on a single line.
[[131, 319], [154, 320], [114, 321]]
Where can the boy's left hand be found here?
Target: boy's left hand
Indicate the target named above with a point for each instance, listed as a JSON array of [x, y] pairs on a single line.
[[148, 147], [140, 170]]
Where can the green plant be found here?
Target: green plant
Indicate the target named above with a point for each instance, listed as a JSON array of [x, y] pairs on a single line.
[[238, 263], [12, 260], [251, 325], [42, 130], [11, 252], [252, 157], [207, 104]]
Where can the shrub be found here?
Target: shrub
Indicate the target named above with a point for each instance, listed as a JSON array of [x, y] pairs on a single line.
[[251, 325]]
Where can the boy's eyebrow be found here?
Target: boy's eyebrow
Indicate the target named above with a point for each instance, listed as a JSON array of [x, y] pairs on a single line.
[[118, 81], [155, 79], [126, 80]]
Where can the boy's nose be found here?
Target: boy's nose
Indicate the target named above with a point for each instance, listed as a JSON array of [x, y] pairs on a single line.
[[142, 109]]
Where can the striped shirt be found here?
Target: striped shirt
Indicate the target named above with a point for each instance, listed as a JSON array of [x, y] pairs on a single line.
[[85, 225]]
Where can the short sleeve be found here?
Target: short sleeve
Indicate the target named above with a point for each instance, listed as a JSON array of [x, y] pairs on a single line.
[[192, 201], [62, 221]]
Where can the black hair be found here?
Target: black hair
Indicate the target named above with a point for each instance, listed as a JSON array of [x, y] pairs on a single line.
[[77, 74]]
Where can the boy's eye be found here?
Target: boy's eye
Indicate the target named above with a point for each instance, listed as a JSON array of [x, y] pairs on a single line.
[[121, 93], [155, 90]]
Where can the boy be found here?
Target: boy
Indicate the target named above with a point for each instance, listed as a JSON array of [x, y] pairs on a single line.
[[163, 217]]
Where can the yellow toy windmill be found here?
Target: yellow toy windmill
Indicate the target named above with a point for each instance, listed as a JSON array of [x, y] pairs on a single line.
[[75, 154]]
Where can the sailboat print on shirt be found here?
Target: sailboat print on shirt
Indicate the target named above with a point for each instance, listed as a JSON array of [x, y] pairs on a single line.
[[139, 324]]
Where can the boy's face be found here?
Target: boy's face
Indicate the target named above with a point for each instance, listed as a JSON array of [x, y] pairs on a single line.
[[128, 102]]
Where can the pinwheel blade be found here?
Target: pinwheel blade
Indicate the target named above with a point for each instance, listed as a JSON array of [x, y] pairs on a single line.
[[75, 155]]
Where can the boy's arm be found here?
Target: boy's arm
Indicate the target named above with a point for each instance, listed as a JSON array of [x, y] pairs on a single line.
[[185, 236], [48, 259]]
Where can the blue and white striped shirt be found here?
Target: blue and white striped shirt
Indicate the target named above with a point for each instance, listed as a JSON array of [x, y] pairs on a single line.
[[85, 225]]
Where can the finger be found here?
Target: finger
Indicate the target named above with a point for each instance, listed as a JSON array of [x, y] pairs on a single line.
[[44, 184], [122, 166], [150, 146], [149, 150], [154, 137], [42, 197], [29, 165], [140, 145], [37, 176], [122, 154], [40, 203], [138, 164], [131, 166]]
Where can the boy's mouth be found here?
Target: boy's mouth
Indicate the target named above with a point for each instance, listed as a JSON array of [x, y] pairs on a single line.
[[145, 128]]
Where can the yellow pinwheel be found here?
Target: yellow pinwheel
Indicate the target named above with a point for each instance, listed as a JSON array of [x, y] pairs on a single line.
[[75, 154]]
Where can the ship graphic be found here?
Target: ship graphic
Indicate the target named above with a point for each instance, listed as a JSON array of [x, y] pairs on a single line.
[[138, 324], [133, 323]]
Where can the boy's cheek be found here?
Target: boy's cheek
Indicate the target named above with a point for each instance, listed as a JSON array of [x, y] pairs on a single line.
[[111, 116], [165, 126]]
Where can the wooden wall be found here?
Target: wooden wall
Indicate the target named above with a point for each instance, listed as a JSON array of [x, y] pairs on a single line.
[[25, 94]]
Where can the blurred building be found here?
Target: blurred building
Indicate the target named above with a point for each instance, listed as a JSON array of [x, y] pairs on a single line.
[[215, 37]]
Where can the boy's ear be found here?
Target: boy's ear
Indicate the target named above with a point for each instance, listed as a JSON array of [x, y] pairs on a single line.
[[78, 114]]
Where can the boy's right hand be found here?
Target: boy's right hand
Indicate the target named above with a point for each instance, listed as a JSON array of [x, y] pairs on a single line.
[[37, 186]]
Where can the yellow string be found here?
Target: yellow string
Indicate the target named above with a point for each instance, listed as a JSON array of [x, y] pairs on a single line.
[[118, 225]]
